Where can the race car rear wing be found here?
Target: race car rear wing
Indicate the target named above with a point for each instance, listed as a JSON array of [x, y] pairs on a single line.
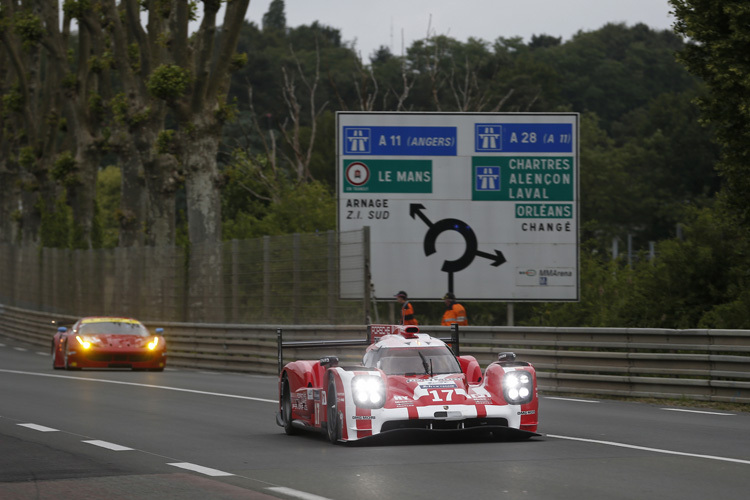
[[374, 333]]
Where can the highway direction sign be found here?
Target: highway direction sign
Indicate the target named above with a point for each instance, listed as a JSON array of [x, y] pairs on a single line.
[[484, 205]]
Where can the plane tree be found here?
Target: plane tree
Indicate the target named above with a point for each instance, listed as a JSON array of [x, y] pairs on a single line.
[[33, 117]]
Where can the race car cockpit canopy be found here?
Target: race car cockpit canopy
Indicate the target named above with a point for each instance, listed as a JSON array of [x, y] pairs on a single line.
[[412, 360]]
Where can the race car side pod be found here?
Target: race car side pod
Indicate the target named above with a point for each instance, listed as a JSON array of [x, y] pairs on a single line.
[[313, 343]]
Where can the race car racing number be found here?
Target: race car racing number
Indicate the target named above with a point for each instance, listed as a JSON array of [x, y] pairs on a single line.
[[448, 393]]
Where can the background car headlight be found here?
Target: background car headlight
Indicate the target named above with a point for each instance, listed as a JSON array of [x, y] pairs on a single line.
[[152, 345], [368, 391], [518, 387], [85, 342]]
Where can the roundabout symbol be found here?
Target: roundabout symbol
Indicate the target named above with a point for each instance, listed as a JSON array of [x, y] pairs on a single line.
[[471, 251]]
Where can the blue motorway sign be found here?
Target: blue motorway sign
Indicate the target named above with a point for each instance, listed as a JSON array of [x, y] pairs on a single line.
[[523, 138], [400, 141]]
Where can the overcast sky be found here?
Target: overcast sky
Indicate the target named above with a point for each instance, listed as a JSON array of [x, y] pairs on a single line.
[[373, 23]]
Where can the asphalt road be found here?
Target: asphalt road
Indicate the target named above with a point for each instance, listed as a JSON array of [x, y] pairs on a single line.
[[187, 434]]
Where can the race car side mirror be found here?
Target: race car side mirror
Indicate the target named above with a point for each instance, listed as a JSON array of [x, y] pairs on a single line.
[[506, 357], [160, 330], [62, 329], [329, 360]]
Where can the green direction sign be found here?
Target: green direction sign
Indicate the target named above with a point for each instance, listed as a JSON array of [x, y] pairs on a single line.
[[387, 176], [544, 210], [523, 178]]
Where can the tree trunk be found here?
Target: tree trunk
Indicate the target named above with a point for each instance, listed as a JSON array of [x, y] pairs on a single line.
[[204, 226], [31, 219], [161, 183], [132, 198], [8, 204], [202, 185], [82, 195]]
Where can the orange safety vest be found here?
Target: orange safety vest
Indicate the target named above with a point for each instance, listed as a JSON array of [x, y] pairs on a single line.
[[455, 314], [407, 315]]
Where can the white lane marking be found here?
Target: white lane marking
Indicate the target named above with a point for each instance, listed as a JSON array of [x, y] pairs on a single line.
[[39, 428], [296, 493], [697, 411], [167, 388], [203, 470], [2, 345], [109, 446], [42, 353], [654, 450], [22, 349], [570, 399]]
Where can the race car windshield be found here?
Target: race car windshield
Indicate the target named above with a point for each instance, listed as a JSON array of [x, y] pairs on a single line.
[[415, 361], [113, 328]]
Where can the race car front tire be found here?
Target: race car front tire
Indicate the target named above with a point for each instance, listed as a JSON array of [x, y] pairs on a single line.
[[286, 407], [333, 420], [54, 358]]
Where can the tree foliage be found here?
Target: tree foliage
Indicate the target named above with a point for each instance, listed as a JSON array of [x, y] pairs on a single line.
[[229, 132], [718, 34], [700, 281]]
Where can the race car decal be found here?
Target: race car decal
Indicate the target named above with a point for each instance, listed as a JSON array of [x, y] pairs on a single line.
[[481, 411], [402, 401], [441, 395], [364, 425], [437, 386], [481, 399], [413, 413], [379, 331]]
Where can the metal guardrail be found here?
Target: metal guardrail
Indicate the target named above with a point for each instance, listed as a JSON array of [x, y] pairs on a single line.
[[705, 365]]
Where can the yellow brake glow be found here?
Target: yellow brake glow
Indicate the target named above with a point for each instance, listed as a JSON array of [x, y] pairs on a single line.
[[83, 343]]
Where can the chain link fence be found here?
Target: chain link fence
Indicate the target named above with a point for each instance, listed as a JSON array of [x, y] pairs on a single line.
[[318, 278]]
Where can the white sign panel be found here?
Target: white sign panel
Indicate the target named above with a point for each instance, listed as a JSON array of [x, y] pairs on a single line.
[[482, 205]]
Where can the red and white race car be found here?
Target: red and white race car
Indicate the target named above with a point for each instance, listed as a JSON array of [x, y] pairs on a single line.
[[408, 381], [108, 342]]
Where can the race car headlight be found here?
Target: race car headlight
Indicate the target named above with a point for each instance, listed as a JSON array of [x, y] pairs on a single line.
[[368, 391], [152, 345], [85, 342], [518, 387]]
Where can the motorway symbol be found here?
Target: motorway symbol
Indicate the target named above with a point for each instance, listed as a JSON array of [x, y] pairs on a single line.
[[489, 137], [357, 140]]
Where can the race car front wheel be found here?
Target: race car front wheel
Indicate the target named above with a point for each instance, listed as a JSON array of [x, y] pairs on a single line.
[[66, 360], [54, 357], [334, 423], [286, 406]]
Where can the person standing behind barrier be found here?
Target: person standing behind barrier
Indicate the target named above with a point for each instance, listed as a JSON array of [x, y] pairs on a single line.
[[407, 311], [454, 312]]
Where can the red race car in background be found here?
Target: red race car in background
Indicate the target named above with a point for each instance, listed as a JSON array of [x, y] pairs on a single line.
[[108, 342], [407, 382]]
